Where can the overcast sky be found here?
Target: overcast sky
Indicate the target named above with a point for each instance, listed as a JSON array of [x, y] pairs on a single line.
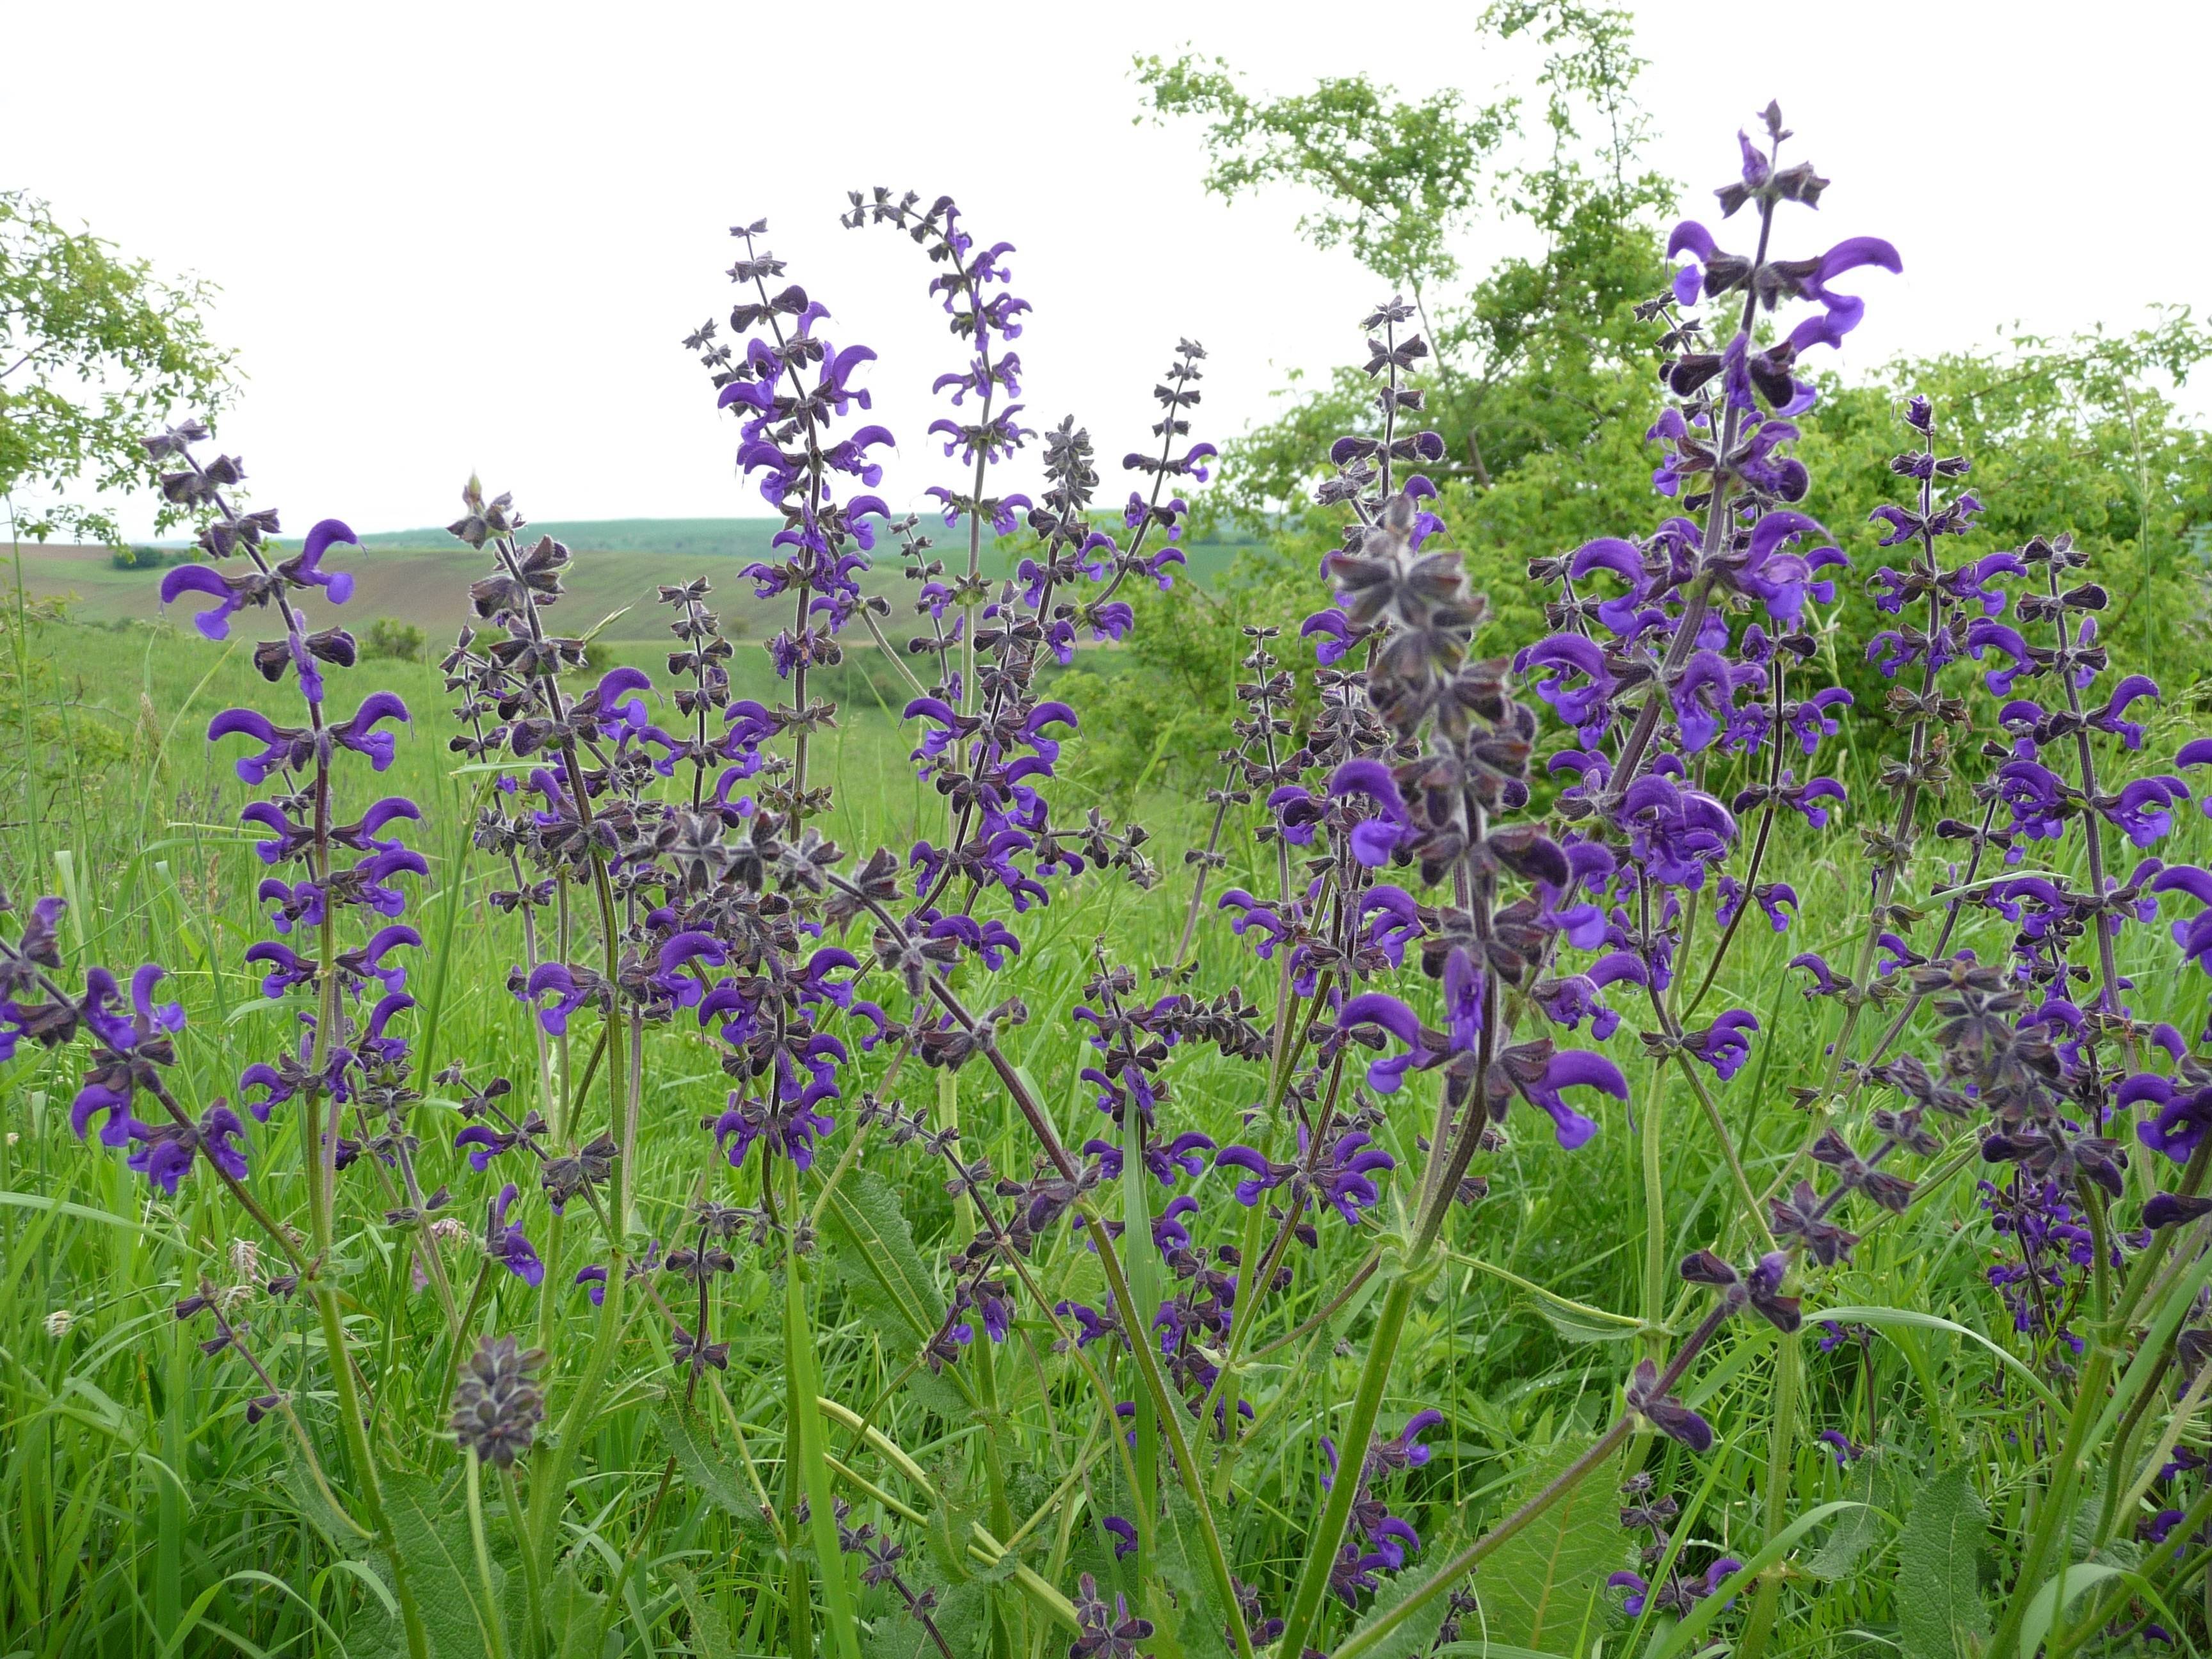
[[461, 234]]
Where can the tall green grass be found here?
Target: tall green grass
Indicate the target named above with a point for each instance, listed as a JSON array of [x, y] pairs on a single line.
[[139, 1513]]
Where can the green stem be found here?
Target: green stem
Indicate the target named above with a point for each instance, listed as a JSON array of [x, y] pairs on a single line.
[[806, 1429], [1143, 1282], [1781, 1476], [1378, 1628], [1302, 1621], [494, 1626], [532, 1589], [1656, 1276]]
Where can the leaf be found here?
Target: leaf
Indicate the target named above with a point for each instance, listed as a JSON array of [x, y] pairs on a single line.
[[962, 1618], [2036, 1624], [1574, 1326], [1411, 1639], [704, 1470], [1538, 1588], [1194, 1624], [1940, 1611], [1856, 1532], [432, 1532], [875, 1256], [709, 1640], [577, 1614]]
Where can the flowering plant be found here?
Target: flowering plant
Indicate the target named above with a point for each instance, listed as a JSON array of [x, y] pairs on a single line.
[[1502, 918]]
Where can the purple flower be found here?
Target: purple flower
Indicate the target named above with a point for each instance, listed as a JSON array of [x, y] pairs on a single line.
[[1360, 1017], [1538, 1073], [359, 734], [2143, 811], [1374, 839], [1724, 1045], [165, 1152], [505, 1243], [1568, 1001], [1674, 834], [1666, 1413]]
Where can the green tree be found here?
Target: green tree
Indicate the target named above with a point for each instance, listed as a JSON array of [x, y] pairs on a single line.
[[1542, 383], [1530, 357], [1540, 361], [95, 350]]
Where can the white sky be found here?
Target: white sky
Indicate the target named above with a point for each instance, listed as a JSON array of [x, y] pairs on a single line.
[[462, 235]]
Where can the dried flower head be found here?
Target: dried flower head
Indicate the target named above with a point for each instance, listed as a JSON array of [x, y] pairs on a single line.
[[496, 1405]]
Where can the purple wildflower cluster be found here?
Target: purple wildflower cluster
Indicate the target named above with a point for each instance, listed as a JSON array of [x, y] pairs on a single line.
[[1473, 873], [1652, 1519]]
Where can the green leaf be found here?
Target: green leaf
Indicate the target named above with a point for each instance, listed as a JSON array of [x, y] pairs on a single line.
[[579, 1614], [315, 1509], [1574, 1326], [1193, 1624], [962, 1618], [709, 1640], [1537, 1590], [1940, 1611], [704, 1469], [874, 1254], [1856, 1531], [2080, 1576], [1412, 1639], [432, 1532]]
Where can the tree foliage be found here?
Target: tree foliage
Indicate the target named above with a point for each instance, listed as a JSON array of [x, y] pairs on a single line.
[[1544, 378], [95, 348]]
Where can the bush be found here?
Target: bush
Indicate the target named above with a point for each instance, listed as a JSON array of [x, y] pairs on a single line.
[[398, 641]]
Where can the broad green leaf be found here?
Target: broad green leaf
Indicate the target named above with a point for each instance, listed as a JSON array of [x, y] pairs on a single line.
[[2043, 1611], [962, 1618], [578, 1614], [1415, 1637], [709, 1640], [432, 1532], [704, 1468], [316, 1510], [1940, 1611], [1574, 1326], [874, 1254], [1856, 1532], [1538, 1589], [1194, 1624]]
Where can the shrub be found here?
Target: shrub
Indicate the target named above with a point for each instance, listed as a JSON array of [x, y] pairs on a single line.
[[396, 640]]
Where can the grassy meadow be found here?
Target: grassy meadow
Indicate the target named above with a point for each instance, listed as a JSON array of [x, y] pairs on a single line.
[[421, 577], [141, 1514]]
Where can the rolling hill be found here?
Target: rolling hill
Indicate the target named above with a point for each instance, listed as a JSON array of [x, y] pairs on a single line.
[[422, 577]]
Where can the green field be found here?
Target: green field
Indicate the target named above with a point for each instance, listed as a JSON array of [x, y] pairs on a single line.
[[131, 1489], [422, 577]]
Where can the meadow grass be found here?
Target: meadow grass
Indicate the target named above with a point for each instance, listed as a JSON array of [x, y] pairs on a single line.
[[139, 1513]]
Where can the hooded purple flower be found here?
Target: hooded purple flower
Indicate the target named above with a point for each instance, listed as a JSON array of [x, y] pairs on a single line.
[[505, 1243]]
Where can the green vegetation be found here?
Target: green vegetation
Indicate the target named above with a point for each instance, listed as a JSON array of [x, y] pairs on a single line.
[[95, 351], [111, 1405]]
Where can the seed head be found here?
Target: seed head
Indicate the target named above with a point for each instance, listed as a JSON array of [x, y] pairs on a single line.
[[496, 1405]]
